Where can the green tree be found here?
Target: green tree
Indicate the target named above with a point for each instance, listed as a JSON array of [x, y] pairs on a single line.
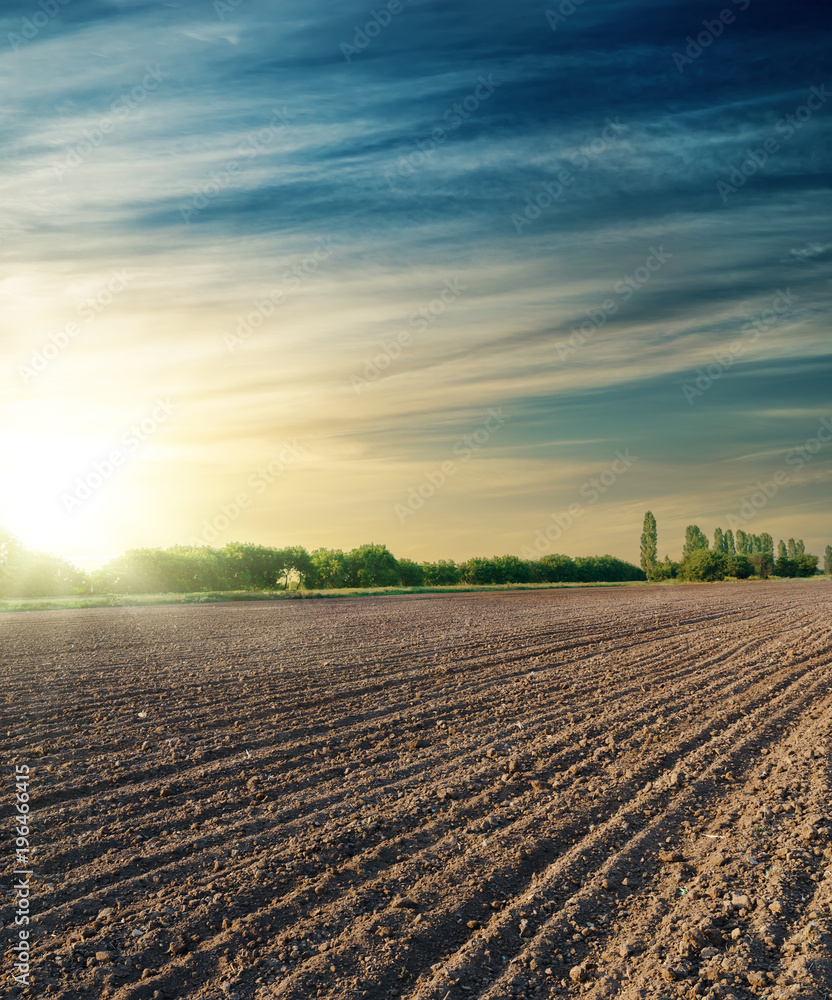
[[649, 545], [743, 543], [781, 550], [259, 567], [444, 573], [767, 547], [478, 571], [739, 566], [10, 554], [411, 574], [695, 539], [24, 573], [799, 549], [666, 569], [702, 565], [730, 545], [372, 566], [761, 563], [719, 541], [328, 569], [806, 565], [827, 560], [784, 566], [511, 569], [554, 568], [802, 565], [791, 548], [184, 569], [606, 569], [297, 560]]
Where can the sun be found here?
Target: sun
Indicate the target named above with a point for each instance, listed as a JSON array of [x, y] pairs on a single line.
[[40, 468]]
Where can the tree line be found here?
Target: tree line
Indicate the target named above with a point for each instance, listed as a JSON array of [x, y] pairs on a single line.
[[257, 567], [34, 574], [737, 554], [193, 569]]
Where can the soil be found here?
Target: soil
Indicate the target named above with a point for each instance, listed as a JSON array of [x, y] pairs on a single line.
[[598, 793]]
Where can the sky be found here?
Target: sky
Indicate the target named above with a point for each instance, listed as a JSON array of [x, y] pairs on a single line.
[[462, 279]]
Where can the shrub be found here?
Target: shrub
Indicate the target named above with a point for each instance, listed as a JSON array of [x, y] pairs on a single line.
[[742, 568], [703, 565]]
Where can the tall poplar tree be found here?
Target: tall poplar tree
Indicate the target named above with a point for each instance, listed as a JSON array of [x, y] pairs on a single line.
[[695, 539], [649, 545]]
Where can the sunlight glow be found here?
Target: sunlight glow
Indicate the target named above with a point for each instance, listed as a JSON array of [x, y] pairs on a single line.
[[40, 470]]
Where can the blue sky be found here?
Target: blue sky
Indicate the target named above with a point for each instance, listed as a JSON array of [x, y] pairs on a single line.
[[354, 235]]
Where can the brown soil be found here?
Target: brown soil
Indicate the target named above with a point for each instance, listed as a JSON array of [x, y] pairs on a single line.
[[600, 793]]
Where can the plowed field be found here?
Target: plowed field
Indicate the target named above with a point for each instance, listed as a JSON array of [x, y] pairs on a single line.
[[595, 793]]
